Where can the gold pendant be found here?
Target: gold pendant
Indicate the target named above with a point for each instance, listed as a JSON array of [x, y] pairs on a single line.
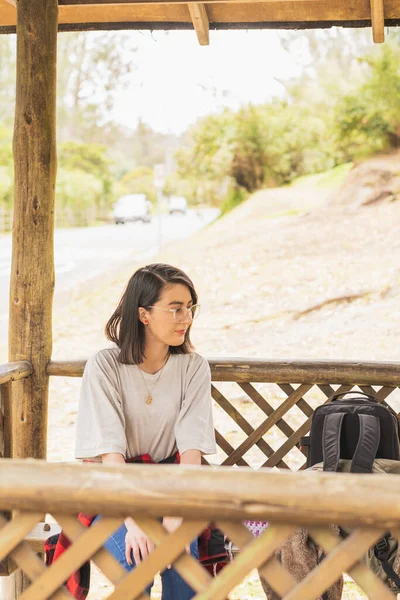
[[149, 399]]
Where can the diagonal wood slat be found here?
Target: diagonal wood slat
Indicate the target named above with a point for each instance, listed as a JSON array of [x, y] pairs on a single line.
[[289, 444], [254, 555], [381, 394], [268, 423], [262, 403], [31, 565], [359, 572], [73, 529], [228, 449], [279, 578], [190, 569], [167, 552], [13, 532], [338, 561], [243, 424], [72, 559]]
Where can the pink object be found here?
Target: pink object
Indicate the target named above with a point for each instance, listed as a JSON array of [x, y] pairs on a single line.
[[256, 527]]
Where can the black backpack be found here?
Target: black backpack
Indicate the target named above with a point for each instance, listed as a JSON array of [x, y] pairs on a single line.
[[360, 430]]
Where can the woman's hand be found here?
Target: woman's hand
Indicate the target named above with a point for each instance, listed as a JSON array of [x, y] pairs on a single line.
[[136, 543], [171, 524]]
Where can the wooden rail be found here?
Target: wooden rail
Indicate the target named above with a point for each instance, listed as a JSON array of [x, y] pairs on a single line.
[[273, 402], [185, 491], [288, 371], [225, 496], [15, 370]]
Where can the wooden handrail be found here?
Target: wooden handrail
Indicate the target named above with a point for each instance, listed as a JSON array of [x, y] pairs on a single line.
[[278, 371], [223, 493], [15, 370]]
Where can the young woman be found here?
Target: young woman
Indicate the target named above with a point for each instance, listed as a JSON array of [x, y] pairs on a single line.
[[150, 394]]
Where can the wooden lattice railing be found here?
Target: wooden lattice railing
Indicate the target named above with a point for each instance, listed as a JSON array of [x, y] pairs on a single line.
[[263, 408], [226, 496]]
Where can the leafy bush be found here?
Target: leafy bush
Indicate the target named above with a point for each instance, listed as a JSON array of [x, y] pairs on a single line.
[[77, 193], [138, 181]]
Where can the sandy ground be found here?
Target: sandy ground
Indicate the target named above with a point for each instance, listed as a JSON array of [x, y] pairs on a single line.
[[284, 276]]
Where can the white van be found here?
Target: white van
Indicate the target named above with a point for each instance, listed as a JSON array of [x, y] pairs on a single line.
[[177, 205], [132, 207]]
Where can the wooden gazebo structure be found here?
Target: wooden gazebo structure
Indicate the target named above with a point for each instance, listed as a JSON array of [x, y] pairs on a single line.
[[82, 15], [36, 488]]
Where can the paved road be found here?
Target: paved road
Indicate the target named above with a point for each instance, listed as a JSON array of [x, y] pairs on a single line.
[[84, 253]]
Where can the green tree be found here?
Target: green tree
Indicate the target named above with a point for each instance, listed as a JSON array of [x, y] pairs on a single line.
[[368, 119], [92, 160], [138, 181]]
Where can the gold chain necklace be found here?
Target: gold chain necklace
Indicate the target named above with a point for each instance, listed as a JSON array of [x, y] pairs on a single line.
[[149, 397]]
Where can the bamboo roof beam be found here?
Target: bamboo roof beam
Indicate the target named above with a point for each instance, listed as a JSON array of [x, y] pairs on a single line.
[[201, 24], [378, 21]]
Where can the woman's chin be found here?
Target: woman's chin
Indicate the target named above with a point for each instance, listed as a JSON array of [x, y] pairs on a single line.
[[177, 340]]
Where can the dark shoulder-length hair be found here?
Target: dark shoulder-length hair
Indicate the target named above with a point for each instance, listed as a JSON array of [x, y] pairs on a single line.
[[144, 289]]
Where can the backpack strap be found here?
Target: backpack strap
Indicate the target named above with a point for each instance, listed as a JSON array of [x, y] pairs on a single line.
[[331, 441], [382, 552], [367, 445]]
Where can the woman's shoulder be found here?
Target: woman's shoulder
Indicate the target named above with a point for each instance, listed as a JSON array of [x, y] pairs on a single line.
[[191, 361], [105, 359]]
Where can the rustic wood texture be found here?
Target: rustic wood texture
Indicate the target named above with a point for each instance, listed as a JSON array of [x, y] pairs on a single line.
[[245, 370], [198, 14], [340, 555], [15, 370], [286, 500], [154, 490], [32, 270], [5, 420], [378, 21], [222, 15]]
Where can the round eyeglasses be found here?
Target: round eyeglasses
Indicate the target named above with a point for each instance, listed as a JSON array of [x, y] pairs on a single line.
[[181, 312]]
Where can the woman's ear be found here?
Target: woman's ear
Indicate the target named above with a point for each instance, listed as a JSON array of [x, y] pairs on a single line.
[[143, 316]]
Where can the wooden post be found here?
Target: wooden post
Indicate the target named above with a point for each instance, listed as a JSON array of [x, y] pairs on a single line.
[[32, 271]]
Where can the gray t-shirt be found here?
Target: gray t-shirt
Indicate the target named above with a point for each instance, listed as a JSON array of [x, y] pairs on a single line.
[[113, 415]]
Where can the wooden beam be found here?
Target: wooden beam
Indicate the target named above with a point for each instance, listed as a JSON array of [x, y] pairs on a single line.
[[13, 2], [246, 370], [200, 21], [32, 270], [180, 490], [378, 21]]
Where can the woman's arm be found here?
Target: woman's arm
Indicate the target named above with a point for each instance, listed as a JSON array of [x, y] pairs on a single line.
[[191, 457], [114, 458], [136, 541]]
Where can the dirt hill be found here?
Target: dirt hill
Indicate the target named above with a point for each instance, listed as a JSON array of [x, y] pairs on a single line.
[[372, 181], [292, 273]]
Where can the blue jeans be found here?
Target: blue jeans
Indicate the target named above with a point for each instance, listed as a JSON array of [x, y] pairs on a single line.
[[173, 586]]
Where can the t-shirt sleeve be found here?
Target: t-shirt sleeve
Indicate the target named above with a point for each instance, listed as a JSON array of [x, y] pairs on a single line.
[[194, 429], [100, 425]]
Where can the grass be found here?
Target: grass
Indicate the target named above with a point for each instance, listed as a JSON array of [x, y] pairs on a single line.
[[327, 180]]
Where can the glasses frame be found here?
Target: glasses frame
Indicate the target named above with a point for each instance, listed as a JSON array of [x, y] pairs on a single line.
[[175, 310]]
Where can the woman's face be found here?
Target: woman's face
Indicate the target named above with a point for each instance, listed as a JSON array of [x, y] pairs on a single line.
[[162, 325]]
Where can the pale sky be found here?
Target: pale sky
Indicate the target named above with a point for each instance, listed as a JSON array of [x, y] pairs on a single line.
[[177, 80]]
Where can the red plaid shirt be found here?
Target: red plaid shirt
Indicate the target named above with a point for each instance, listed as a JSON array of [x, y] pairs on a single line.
[[212, 552]]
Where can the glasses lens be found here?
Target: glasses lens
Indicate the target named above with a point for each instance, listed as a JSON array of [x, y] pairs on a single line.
[[195, 311]]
